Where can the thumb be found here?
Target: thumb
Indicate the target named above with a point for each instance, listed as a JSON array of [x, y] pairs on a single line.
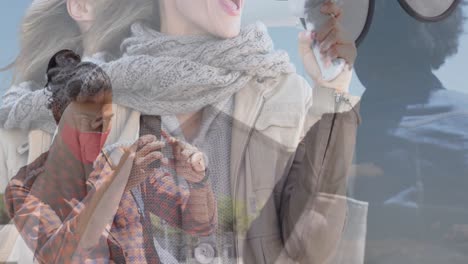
[[311, 66], [134, 147], [306, 38]]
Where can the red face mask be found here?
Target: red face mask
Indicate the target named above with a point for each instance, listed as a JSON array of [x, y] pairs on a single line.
[[85, 146]]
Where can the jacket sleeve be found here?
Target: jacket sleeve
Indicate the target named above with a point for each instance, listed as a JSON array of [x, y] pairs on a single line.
[[52, 239], [313, 203], [25, 107]]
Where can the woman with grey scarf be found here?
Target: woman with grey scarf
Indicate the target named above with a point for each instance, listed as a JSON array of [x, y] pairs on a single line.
[[276, 150]]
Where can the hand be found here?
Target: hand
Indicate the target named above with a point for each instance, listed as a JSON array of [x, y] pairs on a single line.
[[145, 150], [333, 44], [189, 161]]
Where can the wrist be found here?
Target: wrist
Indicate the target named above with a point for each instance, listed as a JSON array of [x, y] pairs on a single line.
[[199, 184], [329, 100]]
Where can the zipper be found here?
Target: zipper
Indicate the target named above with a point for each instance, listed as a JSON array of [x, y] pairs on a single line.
[[319, 183], [338, 98]]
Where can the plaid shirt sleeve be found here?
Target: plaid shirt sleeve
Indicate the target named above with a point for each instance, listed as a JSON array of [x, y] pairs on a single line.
[[51, 239], [180, 206]]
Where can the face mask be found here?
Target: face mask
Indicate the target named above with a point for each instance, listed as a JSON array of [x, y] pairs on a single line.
[[85, 146]]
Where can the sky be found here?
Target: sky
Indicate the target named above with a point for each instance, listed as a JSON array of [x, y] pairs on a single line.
[[11, 12], [452, 73]]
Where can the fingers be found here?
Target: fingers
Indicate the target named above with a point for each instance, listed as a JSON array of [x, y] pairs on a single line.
[[332, 48], [331, 39], [332, 9], [187, 157], [137, 179], [131, 150], [150, 147], [308, 58], [141, 142], [147, 159], [164, 134], [187, 153], [305, 41], [331, 25], [335, 13], [334, 43], [198, 162], [181, 150]]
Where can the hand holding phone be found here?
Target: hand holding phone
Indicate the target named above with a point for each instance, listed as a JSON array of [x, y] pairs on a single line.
[[312, 19]]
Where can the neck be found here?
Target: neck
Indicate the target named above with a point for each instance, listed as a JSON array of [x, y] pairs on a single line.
[[190, 124], [86, 41], [87, 50], [174, 23]]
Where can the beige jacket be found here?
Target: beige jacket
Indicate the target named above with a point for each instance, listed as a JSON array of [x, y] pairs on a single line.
[[282, 214]]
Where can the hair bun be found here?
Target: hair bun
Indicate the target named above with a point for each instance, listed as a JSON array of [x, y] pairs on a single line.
[[64, 59], [87, 80]]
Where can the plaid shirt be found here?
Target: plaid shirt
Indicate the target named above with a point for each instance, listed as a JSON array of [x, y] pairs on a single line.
[[46, 197]]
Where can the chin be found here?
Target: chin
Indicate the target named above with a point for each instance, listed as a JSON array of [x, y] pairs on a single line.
[[227, 32]]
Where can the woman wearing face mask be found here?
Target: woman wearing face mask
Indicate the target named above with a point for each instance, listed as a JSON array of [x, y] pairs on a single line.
[[196, 67], [26, 125], [63, 191]]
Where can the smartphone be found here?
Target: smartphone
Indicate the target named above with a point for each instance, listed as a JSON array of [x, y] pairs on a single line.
[[151, 125]]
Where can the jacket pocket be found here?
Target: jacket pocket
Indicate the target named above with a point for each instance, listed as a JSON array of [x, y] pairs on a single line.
[[352, 244]]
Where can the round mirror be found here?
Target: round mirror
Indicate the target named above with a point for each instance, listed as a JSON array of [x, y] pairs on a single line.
[[429, 10], [357, 17]]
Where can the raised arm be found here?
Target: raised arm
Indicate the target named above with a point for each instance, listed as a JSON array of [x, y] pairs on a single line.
[[58, 237], [25, 106]]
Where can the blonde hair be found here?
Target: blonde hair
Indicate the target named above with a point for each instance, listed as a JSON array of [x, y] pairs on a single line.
[[48, 28]]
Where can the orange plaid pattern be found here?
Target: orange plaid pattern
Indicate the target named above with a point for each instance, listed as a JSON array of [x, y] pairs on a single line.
[[45, 199]]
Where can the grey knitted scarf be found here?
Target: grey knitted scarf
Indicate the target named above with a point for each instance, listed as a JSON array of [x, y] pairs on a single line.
[[162, 74]]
